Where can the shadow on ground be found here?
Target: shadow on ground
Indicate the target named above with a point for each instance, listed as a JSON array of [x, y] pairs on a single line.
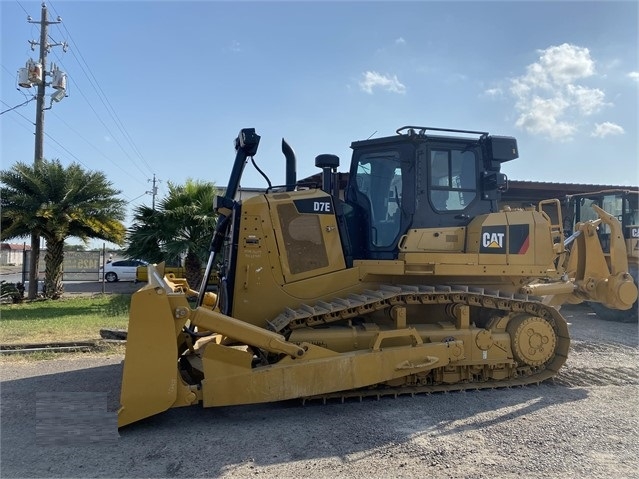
[[73, 288]]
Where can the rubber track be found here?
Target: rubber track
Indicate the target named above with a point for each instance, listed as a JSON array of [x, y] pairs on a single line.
[[390, 295]]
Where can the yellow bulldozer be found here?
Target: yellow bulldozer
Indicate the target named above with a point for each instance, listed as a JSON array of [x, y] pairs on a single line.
[[412, 279], [624, 205]]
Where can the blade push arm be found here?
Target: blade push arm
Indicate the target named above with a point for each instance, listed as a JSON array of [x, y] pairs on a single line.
[[246, 145]]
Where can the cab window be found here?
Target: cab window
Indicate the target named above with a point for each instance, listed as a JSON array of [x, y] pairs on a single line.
[[379, 190], [453, 179]]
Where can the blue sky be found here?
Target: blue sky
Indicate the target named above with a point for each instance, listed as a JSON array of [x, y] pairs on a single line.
[[163, 87]]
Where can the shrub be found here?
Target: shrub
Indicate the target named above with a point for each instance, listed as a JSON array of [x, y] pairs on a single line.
[[11, 292]]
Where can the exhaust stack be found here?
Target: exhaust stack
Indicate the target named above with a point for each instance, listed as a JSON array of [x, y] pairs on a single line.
[[291, 166]]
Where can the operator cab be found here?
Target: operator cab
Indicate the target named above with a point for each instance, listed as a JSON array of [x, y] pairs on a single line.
[[418, 180]]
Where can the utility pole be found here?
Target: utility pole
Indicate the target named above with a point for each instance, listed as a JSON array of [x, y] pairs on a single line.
[[42, 87], [39, 128], [153, 192]]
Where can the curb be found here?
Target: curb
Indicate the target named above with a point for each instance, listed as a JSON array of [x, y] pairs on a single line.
[[70, 347]]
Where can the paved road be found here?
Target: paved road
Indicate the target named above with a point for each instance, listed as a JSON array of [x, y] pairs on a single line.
[[14, 275], [90, 287]]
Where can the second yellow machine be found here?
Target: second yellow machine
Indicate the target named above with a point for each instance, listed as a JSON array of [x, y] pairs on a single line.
[[414, 280]]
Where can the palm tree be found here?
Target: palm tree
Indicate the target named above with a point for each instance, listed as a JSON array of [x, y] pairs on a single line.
[[57, 203], [181, 226]]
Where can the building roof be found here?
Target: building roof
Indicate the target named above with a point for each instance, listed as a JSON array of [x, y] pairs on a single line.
[[525, 190], [517, 189], [14, 247]]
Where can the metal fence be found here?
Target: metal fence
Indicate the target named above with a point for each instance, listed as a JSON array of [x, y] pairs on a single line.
[[77, 265]]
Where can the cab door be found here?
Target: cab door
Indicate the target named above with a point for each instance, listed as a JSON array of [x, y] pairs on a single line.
[[381, 195]]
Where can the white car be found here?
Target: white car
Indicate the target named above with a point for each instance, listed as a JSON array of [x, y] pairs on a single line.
[[123, 270]]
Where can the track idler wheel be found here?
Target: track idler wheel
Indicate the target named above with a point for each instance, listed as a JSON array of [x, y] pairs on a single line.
[[533, 339]]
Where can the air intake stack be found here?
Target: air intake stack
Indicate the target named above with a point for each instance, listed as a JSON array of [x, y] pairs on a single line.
[[329, 164]]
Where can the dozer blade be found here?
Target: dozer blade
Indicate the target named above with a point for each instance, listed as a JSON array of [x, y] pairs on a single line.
[[150, 379]]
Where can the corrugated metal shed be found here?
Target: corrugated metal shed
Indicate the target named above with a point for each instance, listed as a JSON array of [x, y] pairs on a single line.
[[535, 191], [519, 192]]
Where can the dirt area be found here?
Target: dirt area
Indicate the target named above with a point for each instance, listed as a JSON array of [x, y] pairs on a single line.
[[585, 423]]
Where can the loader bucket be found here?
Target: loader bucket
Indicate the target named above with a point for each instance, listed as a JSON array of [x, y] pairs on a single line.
[[150, 379]]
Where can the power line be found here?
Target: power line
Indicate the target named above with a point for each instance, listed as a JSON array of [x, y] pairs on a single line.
[[67, 151], [8, 71], [59, 150], [23, 9], [92, 145], [17, 112], [137, 198], [97, 115], [62, 148], [82, 63], [17, 106], [102, 96], [91, 106]]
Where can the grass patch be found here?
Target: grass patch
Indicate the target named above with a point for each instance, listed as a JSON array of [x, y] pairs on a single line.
[[66, 319]]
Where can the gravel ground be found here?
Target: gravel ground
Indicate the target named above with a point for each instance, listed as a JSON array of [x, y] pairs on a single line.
[[585, 423]]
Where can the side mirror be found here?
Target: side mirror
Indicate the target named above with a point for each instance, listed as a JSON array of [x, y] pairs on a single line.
[[495, 181], [492, 184]]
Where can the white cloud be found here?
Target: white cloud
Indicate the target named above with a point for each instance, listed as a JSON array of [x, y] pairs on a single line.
[[548, 97], [607, 128], [634, 76], [234, 46], [587, 100], [566, 63], [400, 41], [494, 92], [373, 80], [542, 117]]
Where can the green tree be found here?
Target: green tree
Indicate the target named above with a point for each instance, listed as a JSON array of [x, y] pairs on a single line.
[[180, 227], [59, 202]]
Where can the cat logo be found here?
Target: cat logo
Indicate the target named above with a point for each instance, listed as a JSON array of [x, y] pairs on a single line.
[[514, 239], [492, 240]]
